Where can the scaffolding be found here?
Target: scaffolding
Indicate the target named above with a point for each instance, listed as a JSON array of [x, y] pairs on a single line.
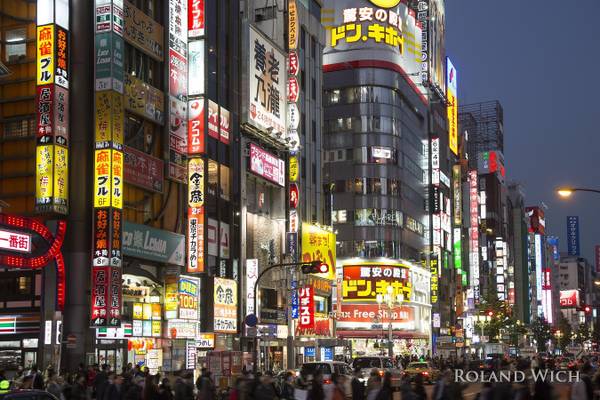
[[484, 124]]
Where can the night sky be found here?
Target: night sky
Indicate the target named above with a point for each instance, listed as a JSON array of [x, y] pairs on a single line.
[[541, 60]]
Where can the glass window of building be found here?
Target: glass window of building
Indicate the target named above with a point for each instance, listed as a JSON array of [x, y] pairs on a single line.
[[15, 48], [225, 182], [213, 177]]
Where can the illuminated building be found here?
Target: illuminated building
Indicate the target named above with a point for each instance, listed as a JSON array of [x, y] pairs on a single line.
[[376, 149]]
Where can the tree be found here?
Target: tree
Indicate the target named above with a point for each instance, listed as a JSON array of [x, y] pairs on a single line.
[[498, 315], [540, 329], [564, 332], [582, 335]]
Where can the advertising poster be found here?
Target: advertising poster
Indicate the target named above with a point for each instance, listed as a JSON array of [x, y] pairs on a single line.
[[45, 54], [189, 295], [224, 125], [195, 18], [196, 127], [117, 179], [213, 119], [62, 57], [114, 311], [267, 85], [196, 67], [61, 116], [195, 236], [318, 245], [306, 317], [61, 179], [267, 165], [292, 25], [143, 99], [45, 117], [44, 173], [573, 235], [362, 283], [99, 312], [569, 298], [171, 297], [177, 75], [251, 277], [452, 94], [225, 298], [102, 177], [195, 182]]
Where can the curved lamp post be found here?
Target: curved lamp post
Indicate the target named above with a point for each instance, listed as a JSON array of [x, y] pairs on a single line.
[[568, 191]]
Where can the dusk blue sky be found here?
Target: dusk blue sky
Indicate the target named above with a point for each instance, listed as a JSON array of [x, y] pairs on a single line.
[[541, 60]]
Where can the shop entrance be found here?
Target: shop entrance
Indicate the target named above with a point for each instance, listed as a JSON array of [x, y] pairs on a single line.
[[111, 357]]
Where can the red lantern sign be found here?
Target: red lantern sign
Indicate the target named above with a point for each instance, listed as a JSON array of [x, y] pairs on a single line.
[[294, 195], [293, 89], [293, 63]]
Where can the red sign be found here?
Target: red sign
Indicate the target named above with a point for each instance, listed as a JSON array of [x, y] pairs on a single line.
[[569, 298], [196, 126], [266, 165], [143, 170], [45, 114], [62, 57], [195, 18], [306, 308], [294, 195], [322, 328], [370, 313], [213, 119], [224, 128], [293, 89], [293, 63], [177, 75], [100, 296]]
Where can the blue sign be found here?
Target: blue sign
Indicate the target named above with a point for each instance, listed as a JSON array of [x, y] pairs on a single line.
[[553, 241], [310, 351], [295, 302], [327, 354], [573, 235]]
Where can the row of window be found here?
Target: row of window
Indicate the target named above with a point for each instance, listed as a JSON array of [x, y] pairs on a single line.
[[383, 186], [364, 155], [369, 248], [368, 217], [362, 94]]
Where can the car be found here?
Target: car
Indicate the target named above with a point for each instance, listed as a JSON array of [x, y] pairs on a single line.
[[422, 368], [366, 364], [27, 395], [476, 365], [567, 364], [327, 368]]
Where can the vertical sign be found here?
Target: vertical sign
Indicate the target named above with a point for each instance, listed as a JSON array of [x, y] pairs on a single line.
[[292, 25], [597, 253], [474, 234], [195, 234], [225, 307], [306, 318], [52, 109], [108, 163], [251, 277], [452, 97], [195, 18], [457, 194], [573, 235], [423, 19]]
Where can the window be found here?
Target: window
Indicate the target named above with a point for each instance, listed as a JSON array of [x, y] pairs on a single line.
[[313, 47], [18, 128], [225, 182], [265, 13], [302, 38], [314, 89], [213, 177], [16, 287], [15, 48], [303, 167], [314, 173], [314, 130]]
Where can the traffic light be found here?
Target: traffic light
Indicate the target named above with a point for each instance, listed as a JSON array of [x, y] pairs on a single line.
[[315, 267], [587, 309]]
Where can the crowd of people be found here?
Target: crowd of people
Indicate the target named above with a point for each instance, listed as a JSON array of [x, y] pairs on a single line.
[[136, 383]]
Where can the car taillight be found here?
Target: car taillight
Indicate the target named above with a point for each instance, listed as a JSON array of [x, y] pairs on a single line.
[[381, 373], [425, 373], [326, 381]]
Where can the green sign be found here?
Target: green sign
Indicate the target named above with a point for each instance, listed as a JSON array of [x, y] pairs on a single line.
[[109, 62], [153, 244]]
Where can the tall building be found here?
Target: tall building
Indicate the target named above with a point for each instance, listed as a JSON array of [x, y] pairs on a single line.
[[484, 123], [376, 163], [518, 246]]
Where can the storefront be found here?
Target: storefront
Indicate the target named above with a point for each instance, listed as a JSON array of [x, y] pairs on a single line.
[[382, 298], [160, 306]]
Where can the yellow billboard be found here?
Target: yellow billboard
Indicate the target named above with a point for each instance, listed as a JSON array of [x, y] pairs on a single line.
[[294, 169], [44, 166], [318, 244], [109, 117], [61, 177], [45, 54], [102, 177], [117, 179], [452, 122]]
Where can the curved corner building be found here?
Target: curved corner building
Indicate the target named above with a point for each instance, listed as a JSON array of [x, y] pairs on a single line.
[[375, 163]]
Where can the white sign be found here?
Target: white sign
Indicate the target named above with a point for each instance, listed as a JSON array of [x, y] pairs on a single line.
[[293, 116], [435, 153], [381, 152], [14, 241], [196, 67], [267, 85], [251, 277]]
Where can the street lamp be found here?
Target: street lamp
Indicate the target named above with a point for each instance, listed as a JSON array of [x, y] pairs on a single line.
[[566, 192], [391, 302]]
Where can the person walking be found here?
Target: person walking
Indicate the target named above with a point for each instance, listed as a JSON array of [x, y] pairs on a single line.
[[164, 391], [583, 389], [358, 388], [420, 393], [316, 391], [287, 387], [339, 391], [79, 389], [373, 384], [385, 393], [205, 386], [150, 391], [114, 391], [265, 390]]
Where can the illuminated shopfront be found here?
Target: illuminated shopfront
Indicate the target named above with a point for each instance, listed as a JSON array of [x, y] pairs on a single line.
[[364, 319]]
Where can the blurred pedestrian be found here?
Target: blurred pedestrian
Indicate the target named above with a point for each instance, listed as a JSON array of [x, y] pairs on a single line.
[[316, 391], [373, 384], [420, 393], [358, 387], [583, 389], [287, 386], [385, 393], [55, 387], [265, 390], [339, 392], [205, 386], [101, 383], [79, 389], [114, 391], [164, 391], [150, 391], [184, 389]]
